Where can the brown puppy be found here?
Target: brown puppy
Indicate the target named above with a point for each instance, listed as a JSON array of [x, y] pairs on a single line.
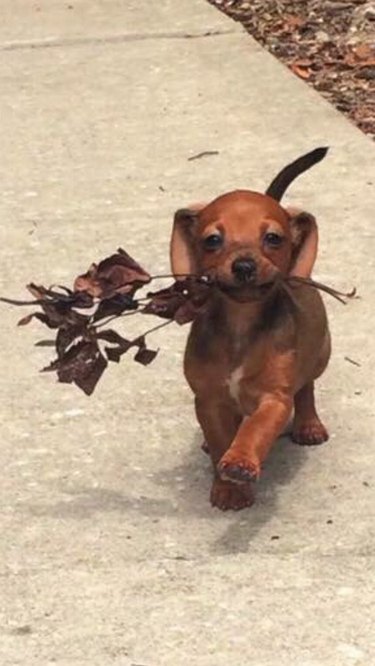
[[255, 352]]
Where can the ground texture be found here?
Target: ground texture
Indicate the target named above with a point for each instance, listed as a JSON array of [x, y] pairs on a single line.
[[110, 553], [328, 43]]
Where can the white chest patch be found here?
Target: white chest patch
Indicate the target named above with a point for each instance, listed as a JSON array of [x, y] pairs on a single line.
[[233, 383]]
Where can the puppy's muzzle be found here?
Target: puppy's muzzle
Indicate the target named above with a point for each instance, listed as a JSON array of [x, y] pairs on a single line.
[[244, 270]]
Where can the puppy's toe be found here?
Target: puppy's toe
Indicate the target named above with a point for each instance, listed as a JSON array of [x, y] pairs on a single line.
[[237, 470], [309, 433], [228, 496]]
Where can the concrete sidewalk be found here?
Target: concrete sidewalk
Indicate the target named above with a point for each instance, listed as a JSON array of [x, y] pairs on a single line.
[[110, 552]]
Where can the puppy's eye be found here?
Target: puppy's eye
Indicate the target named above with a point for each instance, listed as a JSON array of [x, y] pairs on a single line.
[[272, 239], [212, 242]]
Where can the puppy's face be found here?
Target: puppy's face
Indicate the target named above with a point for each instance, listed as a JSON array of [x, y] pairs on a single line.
[[244, 242]]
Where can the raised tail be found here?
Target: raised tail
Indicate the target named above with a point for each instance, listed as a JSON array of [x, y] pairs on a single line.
[[286, 176]]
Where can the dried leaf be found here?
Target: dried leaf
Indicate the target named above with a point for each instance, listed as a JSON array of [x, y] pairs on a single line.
[[37, 292], [87, 381], [45, 343], [364, 52], [305, 62], [115, 306], [117, 274], [165, 303], [111, 336], [292, 22], [122, 344], [35, 315], [145, 356], [66, 336], [87, 282], [301, 71], [82, 364], [360, 57], [182, 301], [58, 307], [322, 31], [107, 289], [27, 319], [114, 353]]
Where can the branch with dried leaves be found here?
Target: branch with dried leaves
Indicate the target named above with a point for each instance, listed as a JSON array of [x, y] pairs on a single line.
[[105, 293]]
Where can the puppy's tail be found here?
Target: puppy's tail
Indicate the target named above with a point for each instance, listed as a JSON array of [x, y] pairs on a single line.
[[291, 171]]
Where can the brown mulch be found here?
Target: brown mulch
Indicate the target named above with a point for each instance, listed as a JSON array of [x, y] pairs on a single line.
[[330, 44]]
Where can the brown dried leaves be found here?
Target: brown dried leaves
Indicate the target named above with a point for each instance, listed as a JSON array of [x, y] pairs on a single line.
[[106, 292], [117, 274], [327, 43]]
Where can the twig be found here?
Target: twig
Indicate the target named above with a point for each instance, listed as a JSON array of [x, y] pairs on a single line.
[[204, 153], [155, 328], [339, 295], [104, 322], [350, 360]]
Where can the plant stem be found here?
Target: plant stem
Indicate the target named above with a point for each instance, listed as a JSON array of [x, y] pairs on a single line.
[[116, 316], [151, 330]]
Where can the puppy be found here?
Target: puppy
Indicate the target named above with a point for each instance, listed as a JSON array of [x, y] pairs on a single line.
[[254, 353]]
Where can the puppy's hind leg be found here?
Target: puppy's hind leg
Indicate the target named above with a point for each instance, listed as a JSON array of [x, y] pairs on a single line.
[[308, 430]]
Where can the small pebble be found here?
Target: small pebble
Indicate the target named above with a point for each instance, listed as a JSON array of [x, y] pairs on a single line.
[[322, 36]]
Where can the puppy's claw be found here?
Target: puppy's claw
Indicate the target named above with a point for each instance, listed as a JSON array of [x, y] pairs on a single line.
[[228, 496], [238, 472], [310, 433]]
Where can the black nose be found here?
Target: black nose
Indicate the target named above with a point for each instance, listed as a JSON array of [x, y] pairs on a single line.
[[244, 269]]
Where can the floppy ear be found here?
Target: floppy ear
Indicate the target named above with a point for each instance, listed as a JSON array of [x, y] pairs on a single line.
[[304, 232], [182, 250]]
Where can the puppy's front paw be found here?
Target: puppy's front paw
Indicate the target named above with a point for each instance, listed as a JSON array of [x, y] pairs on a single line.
[[236, 469], [309, 433], [226, 495]]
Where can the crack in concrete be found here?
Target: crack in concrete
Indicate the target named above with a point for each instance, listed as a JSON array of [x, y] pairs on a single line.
[[110, 39]]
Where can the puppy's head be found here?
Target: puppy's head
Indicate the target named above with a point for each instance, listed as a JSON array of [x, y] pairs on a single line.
[[244, 241]]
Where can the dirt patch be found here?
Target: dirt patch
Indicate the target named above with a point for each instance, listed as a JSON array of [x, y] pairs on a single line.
[[330, 44]]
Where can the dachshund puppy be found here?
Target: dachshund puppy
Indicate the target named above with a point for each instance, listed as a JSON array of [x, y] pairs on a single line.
[[254, 353]]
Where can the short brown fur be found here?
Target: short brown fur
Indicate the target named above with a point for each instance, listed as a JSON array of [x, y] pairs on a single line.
[[254, 354]]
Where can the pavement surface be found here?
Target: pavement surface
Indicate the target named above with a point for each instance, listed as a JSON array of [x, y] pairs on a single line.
[[110, 551]]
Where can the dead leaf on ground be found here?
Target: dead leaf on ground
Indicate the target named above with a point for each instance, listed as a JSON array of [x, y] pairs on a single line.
[[303, 71], [327, 32]]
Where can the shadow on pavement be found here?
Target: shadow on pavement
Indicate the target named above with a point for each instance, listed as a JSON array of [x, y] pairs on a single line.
[[283, 464], [187, 486]]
